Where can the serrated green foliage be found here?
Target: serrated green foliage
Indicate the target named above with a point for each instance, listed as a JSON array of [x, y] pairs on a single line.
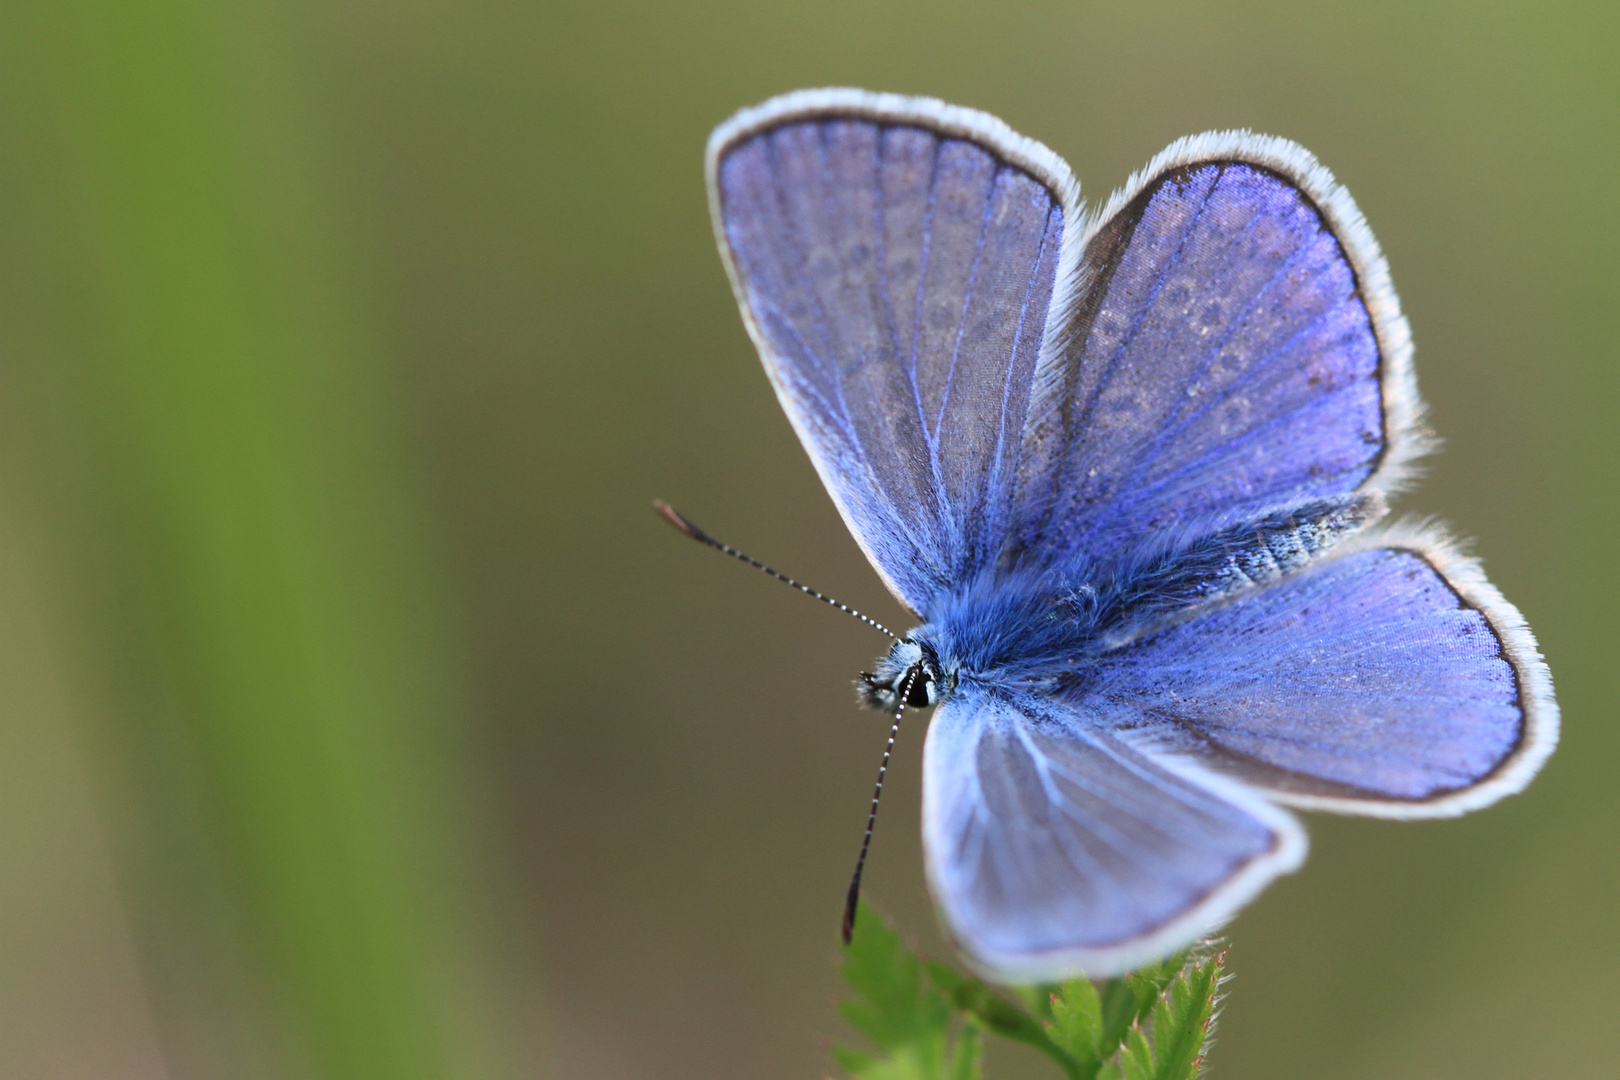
[[1037, 999], [894, 1005], [1089, 1025], [904, 1015], [926, 1018], [1180, 1019], [1076, 1027], [992, 1011], [1128, 999]]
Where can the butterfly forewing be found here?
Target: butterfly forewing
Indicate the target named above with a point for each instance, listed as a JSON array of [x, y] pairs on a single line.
[[1236, 349], [896, 278]]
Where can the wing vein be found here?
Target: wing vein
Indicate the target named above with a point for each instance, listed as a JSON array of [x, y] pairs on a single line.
[[1107, 374], [1139, 461], [993, 482]]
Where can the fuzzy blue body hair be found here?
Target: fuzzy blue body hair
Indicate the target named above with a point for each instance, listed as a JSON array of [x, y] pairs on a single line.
[[1028, 626]]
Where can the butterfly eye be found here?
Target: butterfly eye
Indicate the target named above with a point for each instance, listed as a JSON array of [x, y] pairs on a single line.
[[923, 692]]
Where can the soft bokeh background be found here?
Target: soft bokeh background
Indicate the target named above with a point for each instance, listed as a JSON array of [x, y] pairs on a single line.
[[359, 718]]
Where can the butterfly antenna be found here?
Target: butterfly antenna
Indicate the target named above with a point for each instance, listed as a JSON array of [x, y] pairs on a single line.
[[853, 899], [669, 514]]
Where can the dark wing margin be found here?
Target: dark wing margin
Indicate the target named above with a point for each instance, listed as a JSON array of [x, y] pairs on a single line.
[[1234, 344], [895, 260]]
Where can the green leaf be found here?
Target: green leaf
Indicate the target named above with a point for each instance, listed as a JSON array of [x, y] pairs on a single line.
[[1180, 1018], [1136, 1060], [1128, 999], [1149, 981], [1149, 1025], [1094, 1021], [1076, 1026], [968, 1055], [893, 1004], [910, 1063], [853, 1061], [901, 1011], [1037, 999], [996, 1014]]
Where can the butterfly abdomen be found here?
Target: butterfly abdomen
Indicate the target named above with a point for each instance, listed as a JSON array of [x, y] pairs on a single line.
[[1264, 550], [1033, 624], [1159, 587]]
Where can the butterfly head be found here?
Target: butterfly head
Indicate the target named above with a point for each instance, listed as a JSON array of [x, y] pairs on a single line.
[[882, 687]]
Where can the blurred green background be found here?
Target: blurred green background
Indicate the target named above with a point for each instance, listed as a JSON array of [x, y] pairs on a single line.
[[359, 719]]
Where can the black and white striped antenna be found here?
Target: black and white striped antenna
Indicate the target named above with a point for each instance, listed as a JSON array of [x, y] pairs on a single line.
[[852, 900], [853, 897], [671, 515]]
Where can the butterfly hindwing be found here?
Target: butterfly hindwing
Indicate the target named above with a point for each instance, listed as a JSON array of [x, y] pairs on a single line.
[[1055, 847], [894, 259], [1390, 679]]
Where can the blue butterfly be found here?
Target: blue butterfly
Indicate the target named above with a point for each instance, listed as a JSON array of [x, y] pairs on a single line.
[[1128, 467]]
